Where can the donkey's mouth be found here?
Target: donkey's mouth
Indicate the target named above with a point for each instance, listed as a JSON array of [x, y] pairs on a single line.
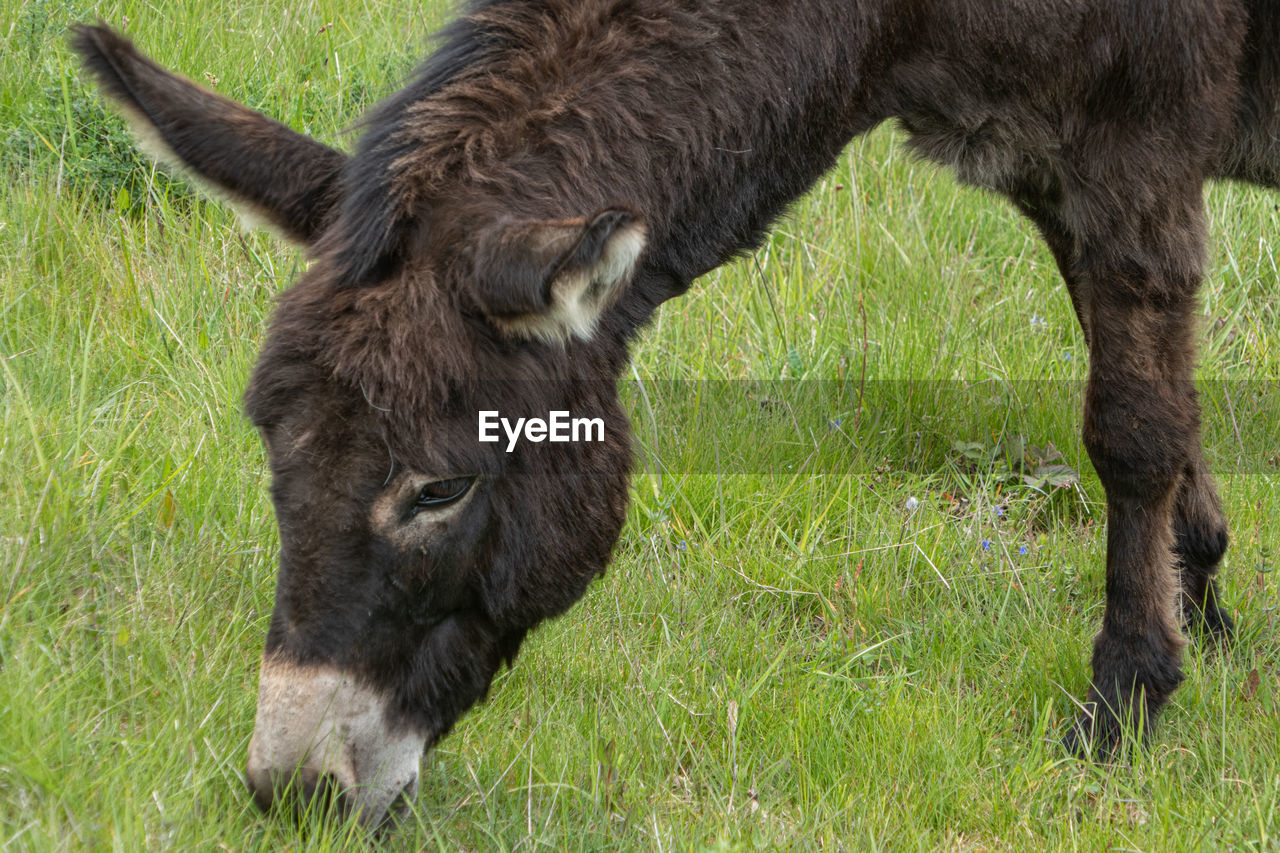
[[400, 807]]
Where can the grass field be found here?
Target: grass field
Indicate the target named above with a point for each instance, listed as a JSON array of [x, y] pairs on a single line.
[[850, 624]]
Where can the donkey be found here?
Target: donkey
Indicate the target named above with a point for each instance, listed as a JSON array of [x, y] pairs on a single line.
[[555, 171]]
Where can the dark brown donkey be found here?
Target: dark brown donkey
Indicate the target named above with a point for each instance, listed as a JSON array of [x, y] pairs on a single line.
[[557, 170]]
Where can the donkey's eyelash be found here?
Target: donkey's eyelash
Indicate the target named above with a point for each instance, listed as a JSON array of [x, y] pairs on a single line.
[[441, 493]]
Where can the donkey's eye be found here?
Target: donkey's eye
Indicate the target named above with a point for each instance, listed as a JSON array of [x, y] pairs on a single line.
[[441, 493]]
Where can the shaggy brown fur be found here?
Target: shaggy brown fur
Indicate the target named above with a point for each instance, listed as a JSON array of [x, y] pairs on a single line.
[[559, 168]]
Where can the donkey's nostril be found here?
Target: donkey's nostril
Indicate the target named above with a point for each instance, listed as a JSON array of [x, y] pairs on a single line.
[[303, 792], [261, 786]]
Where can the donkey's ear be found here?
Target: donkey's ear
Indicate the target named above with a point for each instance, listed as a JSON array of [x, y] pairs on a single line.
[[261, 167], [554, 279]]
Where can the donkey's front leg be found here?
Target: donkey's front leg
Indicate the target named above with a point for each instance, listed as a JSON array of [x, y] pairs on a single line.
[[1141, 429]]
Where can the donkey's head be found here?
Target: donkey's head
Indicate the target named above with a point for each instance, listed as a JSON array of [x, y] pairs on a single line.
[[414, 556]]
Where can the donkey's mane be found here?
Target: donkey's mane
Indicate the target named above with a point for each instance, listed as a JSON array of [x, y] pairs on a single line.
[[366, 232], [547, 109]]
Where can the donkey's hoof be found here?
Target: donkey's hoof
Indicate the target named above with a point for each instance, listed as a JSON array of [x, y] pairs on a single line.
[[1092, 736], [1099, 734], [1213, 624]]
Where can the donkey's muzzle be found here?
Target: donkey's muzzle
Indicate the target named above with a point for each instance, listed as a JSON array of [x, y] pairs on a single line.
[[322, 744]]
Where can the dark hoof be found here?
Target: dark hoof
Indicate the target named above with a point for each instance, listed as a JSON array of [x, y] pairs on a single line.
[[1094, 736], [1212, 623], [1100, 734]]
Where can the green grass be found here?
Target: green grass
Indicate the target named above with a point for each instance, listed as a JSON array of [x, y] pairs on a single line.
[[782, 655]]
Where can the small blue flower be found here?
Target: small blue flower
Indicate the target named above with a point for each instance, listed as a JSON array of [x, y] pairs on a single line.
[[835, 424], [1022, 549], [986, 544], [1000, 512], [682, 545]]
